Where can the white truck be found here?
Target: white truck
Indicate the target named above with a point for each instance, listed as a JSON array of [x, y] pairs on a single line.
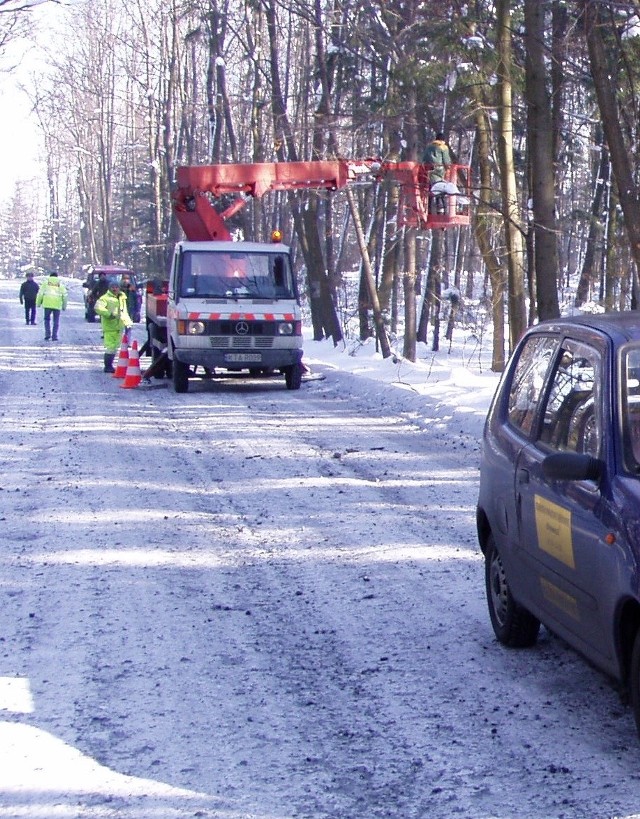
[[227, 306], [230, 306]]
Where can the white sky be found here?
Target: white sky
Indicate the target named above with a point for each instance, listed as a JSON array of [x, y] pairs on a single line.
[[20, 142]]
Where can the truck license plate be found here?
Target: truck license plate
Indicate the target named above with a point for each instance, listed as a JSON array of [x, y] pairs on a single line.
[[242, 358]]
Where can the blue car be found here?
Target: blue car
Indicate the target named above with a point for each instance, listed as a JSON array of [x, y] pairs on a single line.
[[558, 512]]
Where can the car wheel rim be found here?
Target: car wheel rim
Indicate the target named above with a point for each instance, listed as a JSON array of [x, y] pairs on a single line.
[[498, 589]]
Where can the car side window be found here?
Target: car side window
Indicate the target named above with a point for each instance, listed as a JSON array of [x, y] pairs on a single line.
[[529, 379], [630, 408], [572, 419]]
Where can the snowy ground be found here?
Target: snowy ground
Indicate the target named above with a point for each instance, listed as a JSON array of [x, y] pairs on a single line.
[[251, 602]]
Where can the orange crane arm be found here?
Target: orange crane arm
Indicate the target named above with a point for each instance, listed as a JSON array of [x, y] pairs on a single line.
[[198, 184]]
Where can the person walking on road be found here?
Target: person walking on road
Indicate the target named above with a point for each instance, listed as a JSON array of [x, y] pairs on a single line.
[[53, 297], [28, 295], [114, 318]]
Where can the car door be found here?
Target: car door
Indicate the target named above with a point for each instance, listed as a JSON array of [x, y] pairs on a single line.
[[561, 533], [509, 428]]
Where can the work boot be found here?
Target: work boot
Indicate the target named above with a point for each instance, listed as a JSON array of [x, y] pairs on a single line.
[[108, 362]]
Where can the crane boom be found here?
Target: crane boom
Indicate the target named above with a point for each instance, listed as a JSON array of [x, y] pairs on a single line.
[[198, 185]]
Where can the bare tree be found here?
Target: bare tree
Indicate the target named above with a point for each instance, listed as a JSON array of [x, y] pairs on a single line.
[[482, 229], [323, 313], [510, 199], [603, 73], [542, 176]]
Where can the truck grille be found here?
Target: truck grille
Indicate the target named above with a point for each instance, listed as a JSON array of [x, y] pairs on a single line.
[[253, 328], [241, 342]]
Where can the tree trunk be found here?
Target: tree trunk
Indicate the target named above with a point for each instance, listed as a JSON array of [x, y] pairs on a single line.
[[430, 304], [410, 336], [510, 206], [437, 304], [539, 126], [589, 272], [482, 230], [390, 246], [381, 333], [610, 275], [620, 160], [409, 281], [364, 307], [323, 312]]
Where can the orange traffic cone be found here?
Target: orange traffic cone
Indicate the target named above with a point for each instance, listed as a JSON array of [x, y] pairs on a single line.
[[123, 358], [133, 376]]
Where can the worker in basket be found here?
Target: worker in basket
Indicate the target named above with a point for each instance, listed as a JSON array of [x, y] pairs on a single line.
[[438, 156]]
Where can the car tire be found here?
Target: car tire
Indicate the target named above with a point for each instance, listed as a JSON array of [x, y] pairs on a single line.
[[513, 625]]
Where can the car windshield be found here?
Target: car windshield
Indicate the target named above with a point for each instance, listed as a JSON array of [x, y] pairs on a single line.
[[112, 276], [630, 407], [211, 274]]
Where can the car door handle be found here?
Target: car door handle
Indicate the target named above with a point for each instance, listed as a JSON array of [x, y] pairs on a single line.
[[523, 476]]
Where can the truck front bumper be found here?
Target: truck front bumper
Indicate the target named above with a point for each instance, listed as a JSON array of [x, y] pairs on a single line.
[[273, 359]]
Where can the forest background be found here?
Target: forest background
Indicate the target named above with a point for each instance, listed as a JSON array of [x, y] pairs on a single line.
[[539, 98]]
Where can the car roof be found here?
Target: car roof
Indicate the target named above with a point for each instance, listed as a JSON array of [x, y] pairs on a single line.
[[619, 327], [110, 270]]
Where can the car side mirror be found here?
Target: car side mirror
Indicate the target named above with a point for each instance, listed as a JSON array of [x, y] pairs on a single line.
[[572, 466]]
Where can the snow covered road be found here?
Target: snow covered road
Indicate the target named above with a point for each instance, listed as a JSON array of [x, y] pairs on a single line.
[[252, 602]]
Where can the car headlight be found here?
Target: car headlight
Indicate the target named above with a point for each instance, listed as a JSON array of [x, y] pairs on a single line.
[[285, 328]]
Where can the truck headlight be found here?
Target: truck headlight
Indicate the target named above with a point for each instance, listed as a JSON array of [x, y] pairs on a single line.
[[190, 328], [285, 328]]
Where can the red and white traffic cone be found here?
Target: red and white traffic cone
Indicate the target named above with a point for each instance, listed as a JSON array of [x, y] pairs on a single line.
[[133, 376], [123, 358]]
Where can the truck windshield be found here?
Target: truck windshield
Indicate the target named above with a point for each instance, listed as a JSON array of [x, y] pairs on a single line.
[[215, 275]]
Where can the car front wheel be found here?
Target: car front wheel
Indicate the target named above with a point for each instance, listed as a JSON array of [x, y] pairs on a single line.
[[513, 625]]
